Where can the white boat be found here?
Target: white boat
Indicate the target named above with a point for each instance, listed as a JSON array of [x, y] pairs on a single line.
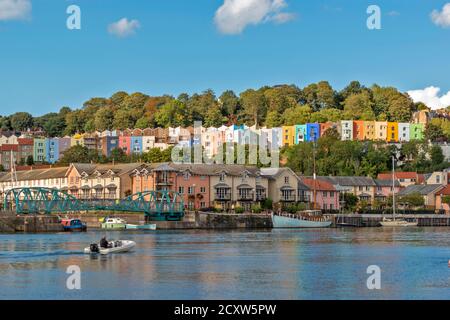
[[396, 222], [141, 227], [114, 223], [113, 247], [309, 220]]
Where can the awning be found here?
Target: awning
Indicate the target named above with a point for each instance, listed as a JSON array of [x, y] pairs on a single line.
[[111, 186], [85, 188], [98, 187], [222, 186], [73, 188], [244, 186]]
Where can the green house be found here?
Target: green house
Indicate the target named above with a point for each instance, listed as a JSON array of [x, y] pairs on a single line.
[[39, 150], [416, 131]]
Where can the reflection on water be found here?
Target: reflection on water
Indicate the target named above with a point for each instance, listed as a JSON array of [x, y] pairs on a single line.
[[270, 264]]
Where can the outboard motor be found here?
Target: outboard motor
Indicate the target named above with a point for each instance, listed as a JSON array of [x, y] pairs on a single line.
[[94, 248]]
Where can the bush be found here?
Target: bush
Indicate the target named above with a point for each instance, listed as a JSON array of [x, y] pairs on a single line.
[[291, 209], [267, 204], [256, 209], [239, 210]]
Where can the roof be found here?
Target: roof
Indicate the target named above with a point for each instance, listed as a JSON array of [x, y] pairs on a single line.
[[445, 191], [215, 169], [25, 141], [273, 173], [319, 184], [398, 175], [421, 189], [118, 169], [386, 183], [39, 174], [9, 147], [348, 180]]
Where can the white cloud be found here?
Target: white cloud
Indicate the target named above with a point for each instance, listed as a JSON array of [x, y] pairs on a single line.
[[430, 96], [442, 18], [235, 15], [124, 27], [14, 9]]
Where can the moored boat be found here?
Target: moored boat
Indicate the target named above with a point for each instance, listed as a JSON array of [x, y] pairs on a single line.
[[307, 219], [141, 227], [113, 247], [73, 225], [114, 224]]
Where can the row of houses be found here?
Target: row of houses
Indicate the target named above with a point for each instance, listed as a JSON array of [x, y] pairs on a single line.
[[202, 186], [137, 141]]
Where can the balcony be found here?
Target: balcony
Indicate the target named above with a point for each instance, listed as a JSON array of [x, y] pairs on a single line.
[[164, 181], [287, 197], [261, 197], [222, 196], [245, 196]]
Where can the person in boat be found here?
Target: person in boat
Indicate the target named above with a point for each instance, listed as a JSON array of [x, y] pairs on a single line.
[[104, 243]]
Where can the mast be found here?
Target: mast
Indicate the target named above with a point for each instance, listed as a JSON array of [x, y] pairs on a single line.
[[393, 187], [314, 169]]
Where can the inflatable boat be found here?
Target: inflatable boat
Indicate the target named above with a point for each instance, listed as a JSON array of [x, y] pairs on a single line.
[[113, 247]]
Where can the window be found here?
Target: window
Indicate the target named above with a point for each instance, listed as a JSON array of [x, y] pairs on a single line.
[[202, 204], [191, 190], [331, 194], [286, 179], [202, 189], [222, 177], [325, 194], [181, 190]]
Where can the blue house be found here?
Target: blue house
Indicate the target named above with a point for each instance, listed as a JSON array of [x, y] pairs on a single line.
[[52, 150], [312, 131], [136, 145]]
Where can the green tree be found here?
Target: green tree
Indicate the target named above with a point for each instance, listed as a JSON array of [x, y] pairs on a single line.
[[21, 121], [254, 107], [173, 114], [437, 156], [123, 119], [104, 119], [75, 154], [297, 115], [359, 107]]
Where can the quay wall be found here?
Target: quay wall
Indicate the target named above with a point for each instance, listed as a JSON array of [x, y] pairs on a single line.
[[373, 220]]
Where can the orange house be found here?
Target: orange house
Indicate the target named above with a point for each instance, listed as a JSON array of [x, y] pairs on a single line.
[[324, 127], [358, 130]]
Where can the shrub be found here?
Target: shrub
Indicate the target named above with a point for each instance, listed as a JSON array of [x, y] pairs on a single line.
[[256, 209], [239, 210]]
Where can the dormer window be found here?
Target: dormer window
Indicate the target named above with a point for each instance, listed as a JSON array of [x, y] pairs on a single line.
[[286, 180], [222, 176]]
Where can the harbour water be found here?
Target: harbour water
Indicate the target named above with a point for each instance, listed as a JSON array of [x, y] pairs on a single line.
[[267, 264]]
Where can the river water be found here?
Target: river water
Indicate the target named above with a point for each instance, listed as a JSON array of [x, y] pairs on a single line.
[[269, 264]]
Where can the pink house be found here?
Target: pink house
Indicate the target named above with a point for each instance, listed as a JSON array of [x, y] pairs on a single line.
[[194, 187], [125, 144], [327, 198], [384, 188]]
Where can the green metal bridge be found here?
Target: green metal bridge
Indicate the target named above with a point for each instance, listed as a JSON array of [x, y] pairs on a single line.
[[156, 205]]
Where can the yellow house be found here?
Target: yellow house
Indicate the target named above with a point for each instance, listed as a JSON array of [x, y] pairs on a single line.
[[77, 140], [381, 130], [288, 135], [369, 130], [392, 132]]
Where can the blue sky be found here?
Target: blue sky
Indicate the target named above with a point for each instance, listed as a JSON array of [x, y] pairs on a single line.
[[178, 47]]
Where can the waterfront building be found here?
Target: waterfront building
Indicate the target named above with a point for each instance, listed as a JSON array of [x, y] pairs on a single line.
[[283, 186], [39, 150], [440, 203], [381, 130], [52, 150], [346, 130], [325, 126], [90, 141], [416, 131], [403, 132], [369, 131], [358, 130], [106, 181], [8, 138], [385, 189], [52, 178], [327, 198], [404, 178], [288, 136], [428, 192], [392, 132], [148, 142], [437, 177], [25, 149], [362, 187]]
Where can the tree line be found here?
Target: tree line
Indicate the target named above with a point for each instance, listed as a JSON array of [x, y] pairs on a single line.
[[272, 106]]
